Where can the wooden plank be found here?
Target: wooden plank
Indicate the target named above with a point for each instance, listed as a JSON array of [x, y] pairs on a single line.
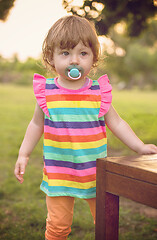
[[111, 226], [131, 177], [140, 167], [107, 208], [132, 172], [143, 162], [133, 189], [100, 200]]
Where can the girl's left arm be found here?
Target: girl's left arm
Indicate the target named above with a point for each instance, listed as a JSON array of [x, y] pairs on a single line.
[[124, 132]]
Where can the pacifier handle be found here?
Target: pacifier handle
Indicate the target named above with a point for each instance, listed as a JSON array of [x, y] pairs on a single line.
[[74, 73]]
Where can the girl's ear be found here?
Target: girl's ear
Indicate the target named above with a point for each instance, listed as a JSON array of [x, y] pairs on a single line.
[[52, 65], [50, 58], [52, 62]]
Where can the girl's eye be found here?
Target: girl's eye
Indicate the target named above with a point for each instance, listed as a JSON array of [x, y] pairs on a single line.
[[83, 53], [65, 53]]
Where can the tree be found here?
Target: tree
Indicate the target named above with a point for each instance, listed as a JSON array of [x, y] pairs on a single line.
[[135, 64], [106, 13], [5, 6]]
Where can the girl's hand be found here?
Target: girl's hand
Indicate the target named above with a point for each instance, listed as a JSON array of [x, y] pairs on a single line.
[[32, 136], [123, 131], [20, 168], [148, 149]]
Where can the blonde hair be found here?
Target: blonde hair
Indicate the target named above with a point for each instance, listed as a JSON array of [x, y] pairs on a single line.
[[66, 33]]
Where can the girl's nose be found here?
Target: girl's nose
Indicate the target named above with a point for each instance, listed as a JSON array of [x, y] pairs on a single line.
[[74, 60]]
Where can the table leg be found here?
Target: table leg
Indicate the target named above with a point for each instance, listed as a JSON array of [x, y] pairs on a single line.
[[107, 218], [107, 210]]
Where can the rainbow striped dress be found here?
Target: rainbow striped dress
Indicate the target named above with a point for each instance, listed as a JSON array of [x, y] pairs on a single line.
[[74, 135]]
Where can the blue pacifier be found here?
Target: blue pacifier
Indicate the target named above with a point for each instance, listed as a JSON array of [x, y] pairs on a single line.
[[74, 72]]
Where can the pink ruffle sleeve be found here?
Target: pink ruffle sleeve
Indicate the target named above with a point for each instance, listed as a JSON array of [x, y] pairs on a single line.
[[106, 96], [39, 83]]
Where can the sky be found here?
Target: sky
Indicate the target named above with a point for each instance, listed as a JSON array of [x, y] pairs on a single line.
[[26, 27]]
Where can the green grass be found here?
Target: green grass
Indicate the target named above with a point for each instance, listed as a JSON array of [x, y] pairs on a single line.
[[22, 207], [139, 110]]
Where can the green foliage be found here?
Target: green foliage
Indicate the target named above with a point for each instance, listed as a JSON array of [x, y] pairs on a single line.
[[14, 71], [137, 64], [106, 13], [5, 6]]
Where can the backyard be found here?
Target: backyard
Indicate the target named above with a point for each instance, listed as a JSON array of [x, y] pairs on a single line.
[[22, 207]]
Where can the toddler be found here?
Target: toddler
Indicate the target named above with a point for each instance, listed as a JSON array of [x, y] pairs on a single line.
[[72, 111]]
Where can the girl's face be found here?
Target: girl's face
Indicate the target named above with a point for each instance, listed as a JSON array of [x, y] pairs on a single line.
[[81, 56]]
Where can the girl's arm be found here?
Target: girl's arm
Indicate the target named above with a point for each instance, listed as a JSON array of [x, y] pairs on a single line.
[[32, 136], [123, 131]]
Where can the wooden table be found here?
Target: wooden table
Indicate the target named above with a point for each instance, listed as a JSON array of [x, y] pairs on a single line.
[[133, 177]]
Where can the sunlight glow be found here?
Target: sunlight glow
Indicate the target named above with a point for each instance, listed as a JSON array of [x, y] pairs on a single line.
[[98, 6], [106, 44], [27, 25], [120, 27], [77, 3]]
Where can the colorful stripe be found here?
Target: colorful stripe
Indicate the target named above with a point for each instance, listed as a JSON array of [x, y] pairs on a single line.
[[74, 112], [73, 104], [74, 132], [68, 177], [78, 152], [75, 125], [70, 171], [74, 137], [68, 183], [73, 165], [74, 145], [67, 138], [67, 191], [69, 97], [76, 159]]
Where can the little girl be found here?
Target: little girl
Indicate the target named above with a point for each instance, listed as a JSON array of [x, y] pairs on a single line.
[[73, 112]]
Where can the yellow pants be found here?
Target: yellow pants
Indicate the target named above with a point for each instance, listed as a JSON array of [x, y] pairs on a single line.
[[60, 216]]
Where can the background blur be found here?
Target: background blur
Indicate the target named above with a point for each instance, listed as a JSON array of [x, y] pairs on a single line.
[[128, 35], [127, 32]]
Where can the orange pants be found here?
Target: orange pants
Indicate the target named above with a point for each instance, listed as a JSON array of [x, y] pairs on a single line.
[[60, 216]]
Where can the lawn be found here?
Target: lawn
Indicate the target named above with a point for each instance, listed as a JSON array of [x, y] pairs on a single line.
[[22, 207]]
